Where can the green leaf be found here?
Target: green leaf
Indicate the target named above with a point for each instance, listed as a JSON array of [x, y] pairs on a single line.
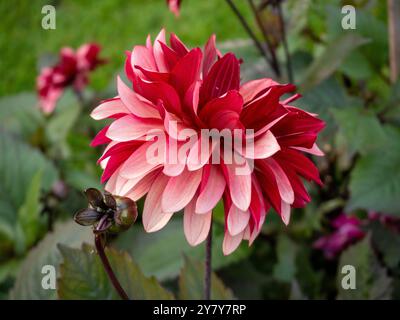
[[82, 276], [148, 250], [285, 269], [332, 57], [61, 123], [387, 242], [375, 180], [191, 283], [372, 281], [20, 114], [19, 163], [322, 99], [361, 128], [28, 280], [29, 218]]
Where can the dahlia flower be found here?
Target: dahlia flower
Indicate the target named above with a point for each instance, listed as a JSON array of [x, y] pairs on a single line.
[[347, 230], [174, 6], [174, 95], [72, 69]]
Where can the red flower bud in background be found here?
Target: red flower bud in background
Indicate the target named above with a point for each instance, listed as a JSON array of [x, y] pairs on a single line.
[[174, 6], [72, 69]]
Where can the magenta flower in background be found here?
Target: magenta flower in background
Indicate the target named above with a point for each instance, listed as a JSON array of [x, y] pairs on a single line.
[[174, 6], [72, 69], [200, 90], [347, 230]]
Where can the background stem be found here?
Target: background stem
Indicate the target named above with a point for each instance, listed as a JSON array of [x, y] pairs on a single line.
[[394, 38], [274, 61], [285, 44], [247, 28], [207, 267], [108, 268]]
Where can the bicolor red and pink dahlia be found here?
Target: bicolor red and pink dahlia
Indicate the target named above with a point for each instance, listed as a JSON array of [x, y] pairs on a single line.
[[196, 90], [72, 69]]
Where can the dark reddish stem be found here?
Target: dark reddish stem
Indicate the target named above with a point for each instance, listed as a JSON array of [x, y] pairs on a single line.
[[285, 44], [107, 267], [207, 266], [250, 32]]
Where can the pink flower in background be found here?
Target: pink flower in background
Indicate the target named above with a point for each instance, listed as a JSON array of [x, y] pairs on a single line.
[[197, 90], [174, 6], [347, 230], [71, 69]]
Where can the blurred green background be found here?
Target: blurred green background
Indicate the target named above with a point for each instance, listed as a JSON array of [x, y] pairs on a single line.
[[343, 75]]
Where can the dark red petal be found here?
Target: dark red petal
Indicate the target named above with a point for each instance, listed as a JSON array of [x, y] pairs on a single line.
[[224, 75], [186, 71]]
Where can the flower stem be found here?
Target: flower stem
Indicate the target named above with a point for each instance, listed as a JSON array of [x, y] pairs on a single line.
[[207, 266], [108, 268]]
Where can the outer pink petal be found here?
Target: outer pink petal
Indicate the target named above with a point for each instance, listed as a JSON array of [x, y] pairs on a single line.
[[285, 212], [212, 191], [131, 128], [109, 108], [143, 186], [231, 243], [180, 190], [153, 217], [196, 226], [239, 186], [138, 164], [265, 146], [237, 220]]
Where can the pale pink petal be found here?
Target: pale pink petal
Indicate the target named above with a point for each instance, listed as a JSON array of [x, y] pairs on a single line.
[[239, 185], [110, 185], [158, 52], [285, 212], [142, 186], [140, 162], [180, 190], [130, 128], [173, 169], [143, 57], [315, 150], [237, 220], [136, 104], [196, 226], [109, 108], [212, 191], [250, 89], [153, 217], [263, 147], [200, 153], [231, 243]]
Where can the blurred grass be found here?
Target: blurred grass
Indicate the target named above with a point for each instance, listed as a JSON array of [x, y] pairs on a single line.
[[115, 24]]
